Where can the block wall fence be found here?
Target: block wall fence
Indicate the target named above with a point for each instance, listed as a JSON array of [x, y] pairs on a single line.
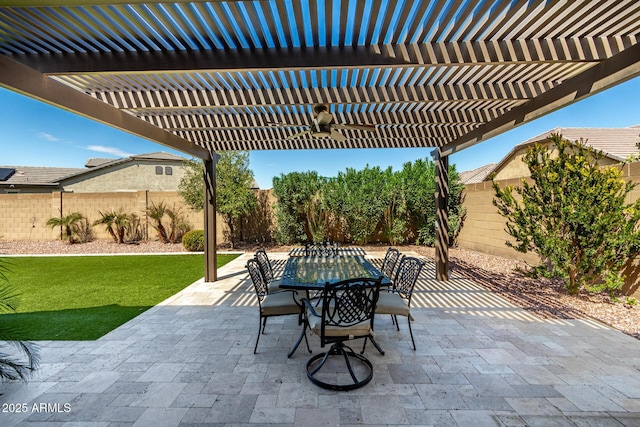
[[24, 216]]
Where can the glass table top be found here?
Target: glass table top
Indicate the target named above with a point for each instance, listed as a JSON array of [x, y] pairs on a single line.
[[313, 272]]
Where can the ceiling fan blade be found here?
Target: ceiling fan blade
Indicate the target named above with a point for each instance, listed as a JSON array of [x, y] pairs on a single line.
[[368, 128], [281, 125], [324, 118], [337, 136], [299, 134]]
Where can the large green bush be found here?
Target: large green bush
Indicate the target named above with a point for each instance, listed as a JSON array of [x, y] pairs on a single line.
[[358, 199], [574, 216], [360, 203], [299, 211], [418, 185], [193, 240]]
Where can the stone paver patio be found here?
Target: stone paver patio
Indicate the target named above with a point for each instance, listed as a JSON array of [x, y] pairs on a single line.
[[480, 362]]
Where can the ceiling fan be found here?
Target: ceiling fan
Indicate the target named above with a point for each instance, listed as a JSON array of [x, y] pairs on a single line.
[[323, 126]]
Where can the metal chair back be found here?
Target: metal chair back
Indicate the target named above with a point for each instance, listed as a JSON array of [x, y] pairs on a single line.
[[265, 265], [407, 276], [259, 284], [389, 262], [348, 303]]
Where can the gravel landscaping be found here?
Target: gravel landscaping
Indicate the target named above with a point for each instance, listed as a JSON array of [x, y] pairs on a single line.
[[543, 297]]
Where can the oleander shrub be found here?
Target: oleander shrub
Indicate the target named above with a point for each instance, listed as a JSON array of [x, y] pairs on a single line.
[[193, 240], [574, 216]]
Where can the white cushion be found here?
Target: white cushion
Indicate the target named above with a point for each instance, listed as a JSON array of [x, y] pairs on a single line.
[[279, 303], [392, 303], [359, 329]]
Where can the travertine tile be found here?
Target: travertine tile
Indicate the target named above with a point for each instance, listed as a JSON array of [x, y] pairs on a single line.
[[190, 361]]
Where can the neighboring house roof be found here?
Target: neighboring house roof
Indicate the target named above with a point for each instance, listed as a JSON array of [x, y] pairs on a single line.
[[38, 176], [160, 155], [477, 175], [614, 143], [48, 176], [96, 161]]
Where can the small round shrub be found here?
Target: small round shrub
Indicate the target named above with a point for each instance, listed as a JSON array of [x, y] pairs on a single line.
[[193, 240]]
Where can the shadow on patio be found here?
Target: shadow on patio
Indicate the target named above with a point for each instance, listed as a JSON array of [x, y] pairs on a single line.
[[479, 361]]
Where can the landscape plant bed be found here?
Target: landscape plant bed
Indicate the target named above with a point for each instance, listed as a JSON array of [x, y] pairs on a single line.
[[84, 297]]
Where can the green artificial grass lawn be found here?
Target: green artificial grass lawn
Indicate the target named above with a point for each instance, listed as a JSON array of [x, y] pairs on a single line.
[[83, 298]]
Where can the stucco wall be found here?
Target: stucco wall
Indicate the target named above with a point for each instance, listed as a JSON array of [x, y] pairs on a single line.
[[514, 167], [135, 175]]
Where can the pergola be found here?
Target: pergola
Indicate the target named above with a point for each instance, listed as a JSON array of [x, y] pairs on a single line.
[[208, 76]]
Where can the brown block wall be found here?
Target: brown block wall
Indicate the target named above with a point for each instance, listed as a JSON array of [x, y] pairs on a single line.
[[24, 216]]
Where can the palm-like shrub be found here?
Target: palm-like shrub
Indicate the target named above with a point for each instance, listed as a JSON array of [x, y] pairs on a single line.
[[72, 226], [110, 220], [156, 213], [18, 359], [178, 224]]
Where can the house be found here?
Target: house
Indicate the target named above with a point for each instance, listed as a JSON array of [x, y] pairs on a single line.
[[616, 145], [477, 175], [154, 171]]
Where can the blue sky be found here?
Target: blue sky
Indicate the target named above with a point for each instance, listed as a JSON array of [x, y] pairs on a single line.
[[36, 134]]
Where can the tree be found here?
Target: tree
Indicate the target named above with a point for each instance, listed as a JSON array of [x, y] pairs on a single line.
[[114, 223], [156, 212], [234, 196], [178, 224], [394, 216], [12, 366], [574, 215], [299, 209], [191, 187], [70, 224], [121, 226]]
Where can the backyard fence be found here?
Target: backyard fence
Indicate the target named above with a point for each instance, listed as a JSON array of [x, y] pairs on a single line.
[[24, 216]]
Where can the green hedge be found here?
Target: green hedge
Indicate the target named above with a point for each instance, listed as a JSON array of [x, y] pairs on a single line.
[[193, 240]]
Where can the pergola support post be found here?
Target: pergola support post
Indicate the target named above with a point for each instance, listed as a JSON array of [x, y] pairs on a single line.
[[442, 216], [210, 229]]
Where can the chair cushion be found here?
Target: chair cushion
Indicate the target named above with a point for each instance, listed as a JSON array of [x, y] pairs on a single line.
[[359, 329], [392, 303], [279, 303], [274, 285]]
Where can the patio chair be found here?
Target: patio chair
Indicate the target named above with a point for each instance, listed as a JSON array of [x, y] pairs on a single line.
[[347, 313], [325, 248], [279, 303], [389, 262], [267, 270], [397, 302]]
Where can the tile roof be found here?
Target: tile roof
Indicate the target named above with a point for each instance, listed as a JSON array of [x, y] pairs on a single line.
[[616, 143], [477, 175], [35, 175], [96, 161], [51, 176]]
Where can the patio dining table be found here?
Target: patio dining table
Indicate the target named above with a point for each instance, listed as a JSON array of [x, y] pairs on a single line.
[[310, 273]]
